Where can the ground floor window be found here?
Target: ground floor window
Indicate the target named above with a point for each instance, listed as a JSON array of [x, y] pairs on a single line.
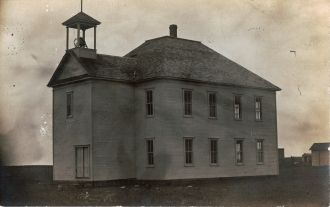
[[239, 151], [214, 151], [260, 151], [82, 161], [150, 152], [188, 148]]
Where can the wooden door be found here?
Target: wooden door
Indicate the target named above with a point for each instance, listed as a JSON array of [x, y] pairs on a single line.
[[82, 162]]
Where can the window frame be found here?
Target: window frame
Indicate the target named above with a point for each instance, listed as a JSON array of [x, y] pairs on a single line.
[[184, 102], [76, 161], [255, 108], [215, 105], [242, 151], [69, 93], [262, 151], [216, 152], [191, 151], [151, 103], [240, 112], [147, 140]]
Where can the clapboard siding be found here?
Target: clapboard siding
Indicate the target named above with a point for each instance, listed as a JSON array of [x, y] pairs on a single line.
[[320, 158], [111, 118], [113, 131], [69, 132], [169, 126]]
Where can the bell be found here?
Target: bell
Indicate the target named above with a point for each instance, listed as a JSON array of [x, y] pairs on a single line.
[[81, 43]]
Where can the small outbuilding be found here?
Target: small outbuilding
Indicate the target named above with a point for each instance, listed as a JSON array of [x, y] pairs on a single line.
[[280, 154], [306, 158], [320, 154]]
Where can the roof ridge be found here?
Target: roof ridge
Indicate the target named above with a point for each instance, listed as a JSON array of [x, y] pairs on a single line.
[[116, 56], [175, 38]]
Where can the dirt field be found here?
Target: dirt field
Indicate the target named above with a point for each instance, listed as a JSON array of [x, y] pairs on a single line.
[[295, 186]]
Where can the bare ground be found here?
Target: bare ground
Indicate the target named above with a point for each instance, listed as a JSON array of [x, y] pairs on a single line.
[[295, 186]]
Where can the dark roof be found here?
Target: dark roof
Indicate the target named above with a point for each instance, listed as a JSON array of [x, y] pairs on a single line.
[[172, 58], [104, 66], [187, 59], [83, 19], [320, 146]]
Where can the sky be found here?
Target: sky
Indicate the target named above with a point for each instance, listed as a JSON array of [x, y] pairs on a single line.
[[285, 42]]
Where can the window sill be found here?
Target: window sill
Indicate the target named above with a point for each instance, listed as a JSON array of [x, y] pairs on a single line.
[[82, 178], [187, 116], [239, 164], [257, 120], [213, 118], [149, 116], [150, 166], [188, 165], [260, 163], [214, 165], [69, 119], [238, 119]]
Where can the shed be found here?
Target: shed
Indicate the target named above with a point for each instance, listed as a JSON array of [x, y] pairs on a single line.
[[320, 154]]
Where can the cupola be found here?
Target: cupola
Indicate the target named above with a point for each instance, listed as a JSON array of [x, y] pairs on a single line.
[[81, 22]]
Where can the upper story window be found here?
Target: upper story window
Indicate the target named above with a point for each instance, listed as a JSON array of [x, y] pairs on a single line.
[[188, 148], [150, 151], [187, 102], [214, 151], [69, 104], [239, 151], [260, 151], [149, 103], [237, 107], [258, 108], [212, 99]]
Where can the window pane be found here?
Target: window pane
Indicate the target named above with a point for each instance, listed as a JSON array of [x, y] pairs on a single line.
[[239, 151], [258, 108], [212, 104], [187, 102], [260, 152], [214, 151], [69, 104], [149, 103], [188, 151], [237, 107], [150, 151]]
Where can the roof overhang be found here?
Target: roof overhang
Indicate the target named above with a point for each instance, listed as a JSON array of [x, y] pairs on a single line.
[[85, 21]]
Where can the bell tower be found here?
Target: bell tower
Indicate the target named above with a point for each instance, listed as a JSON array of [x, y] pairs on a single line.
[[81, 22]]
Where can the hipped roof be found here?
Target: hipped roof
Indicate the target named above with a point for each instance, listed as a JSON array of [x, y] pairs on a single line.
[[171, 58], [187, 59], [83, 19]]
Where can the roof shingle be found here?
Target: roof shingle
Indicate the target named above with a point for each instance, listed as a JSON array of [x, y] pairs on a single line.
[[172, 58]]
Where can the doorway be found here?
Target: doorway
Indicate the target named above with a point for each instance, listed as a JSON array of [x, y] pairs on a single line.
[[82, 161]]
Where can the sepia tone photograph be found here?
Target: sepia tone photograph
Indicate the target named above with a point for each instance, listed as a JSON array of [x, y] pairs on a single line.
[[165, 103]]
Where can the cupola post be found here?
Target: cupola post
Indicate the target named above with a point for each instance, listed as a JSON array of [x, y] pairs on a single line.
[[94, 37], [67, 38], [78, 37]]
